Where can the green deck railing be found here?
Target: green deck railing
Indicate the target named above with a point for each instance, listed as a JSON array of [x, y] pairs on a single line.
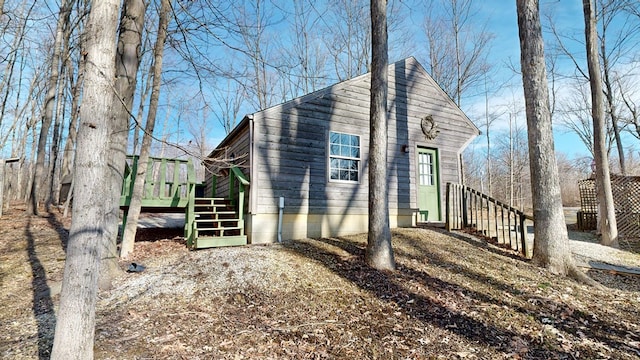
[[169, 182], [241, 179]]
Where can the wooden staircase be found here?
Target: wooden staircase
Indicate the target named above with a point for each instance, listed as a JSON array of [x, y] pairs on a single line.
[[217, 223]]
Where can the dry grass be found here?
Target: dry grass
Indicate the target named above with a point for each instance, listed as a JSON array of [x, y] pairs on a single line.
[[451, 297]]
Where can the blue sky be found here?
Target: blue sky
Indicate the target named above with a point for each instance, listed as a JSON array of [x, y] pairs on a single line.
[[506, 50], [501, 20]]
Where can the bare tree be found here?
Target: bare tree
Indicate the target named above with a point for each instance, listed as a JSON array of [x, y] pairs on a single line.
[[572, 170], [607, 218], [617, 39], [308, 55], [252, 22], [54, 177], [347, 37], [12, 57], [144, 94], [633, 111], [126, 65], [229, 99], [607, 19], [379, 251], [49, 102], [511, 159], [574, 113], [551, 245], [88, 236], [131, 223], [490, 116], [76, 86], [457, 49]]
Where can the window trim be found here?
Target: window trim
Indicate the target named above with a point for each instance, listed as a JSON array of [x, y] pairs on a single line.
[[330, 156]]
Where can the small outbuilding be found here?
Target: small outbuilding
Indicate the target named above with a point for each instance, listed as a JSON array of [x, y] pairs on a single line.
[[310, 155]]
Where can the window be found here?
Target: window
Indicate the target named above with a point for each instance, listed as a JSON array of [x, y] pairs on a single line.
[[426, 173], [344, 156]]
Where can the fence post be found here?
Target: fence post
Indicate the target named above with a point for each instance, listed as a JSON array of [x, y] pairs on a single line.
[[448, 208], [523, 234], [465, 215]]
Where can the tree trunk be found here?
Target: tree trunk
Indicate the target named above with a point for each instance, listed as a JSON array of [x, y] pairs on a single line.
[[32, 154], [551, 246], [379, 253], [613, 113], [607, 218], [70, 145], [53, 197], [133, 214], [127, 62], [143, 99], [55, 175], [88, 236], [38, 177], [488, 125]]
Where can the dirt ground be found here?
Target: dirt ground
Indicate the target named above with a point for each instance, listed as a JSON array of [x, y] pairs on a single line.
[[452, 297]]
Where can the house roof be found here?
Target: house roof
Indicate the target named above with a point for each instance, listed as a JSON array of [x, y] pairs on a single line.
[[408, 62]]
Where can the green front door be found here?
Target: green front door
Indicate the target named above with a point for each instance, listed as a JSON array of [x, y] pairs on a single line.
[[428, 188]]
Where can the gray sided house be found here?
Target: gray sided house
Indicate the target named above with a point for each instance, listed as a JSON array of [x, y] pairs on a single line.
[[313, 152]]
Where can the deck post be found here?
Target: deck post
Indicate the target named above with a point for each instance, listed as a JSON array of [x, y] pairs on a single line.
[[448, 207], [129, 178], [465, 215], [237, 175], [190, 208], [190, 216], [523, 234], [241, 204]]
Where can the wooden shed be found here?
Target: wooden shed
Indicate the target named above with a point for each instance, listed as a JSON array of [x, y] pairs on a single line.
[[310, 154]]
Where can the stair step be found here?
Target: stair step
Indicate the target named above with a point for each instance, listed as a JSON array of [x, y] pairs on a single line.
[[217, 241], [215, 212], [216, 220], [211, 201], [217, 206], [216, 223], [224, 228]]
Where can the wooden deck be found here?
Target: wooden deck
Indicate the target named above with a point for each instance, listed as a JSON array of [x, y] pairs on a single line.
[[170, 187]]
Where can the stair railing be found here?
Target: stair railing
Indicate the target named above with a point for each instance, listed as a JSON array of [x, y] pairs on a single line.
[[237, 176], [469, 209], [190, 212]]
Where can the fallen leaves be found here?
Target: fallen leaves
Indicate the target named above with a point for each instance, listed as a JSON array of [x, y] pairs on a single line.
[[316, 299]]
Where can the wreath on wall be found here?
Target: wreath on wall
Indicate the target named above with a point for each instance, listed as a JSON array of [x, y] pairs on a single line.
[[429, 127]]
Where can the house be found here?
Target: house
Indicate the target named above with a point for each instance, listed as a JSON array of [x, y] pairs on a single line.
[[310, 155]]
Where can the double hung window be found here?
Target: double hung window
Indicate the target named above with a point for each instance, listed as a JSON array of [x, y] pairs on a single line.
[[344, 157]]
